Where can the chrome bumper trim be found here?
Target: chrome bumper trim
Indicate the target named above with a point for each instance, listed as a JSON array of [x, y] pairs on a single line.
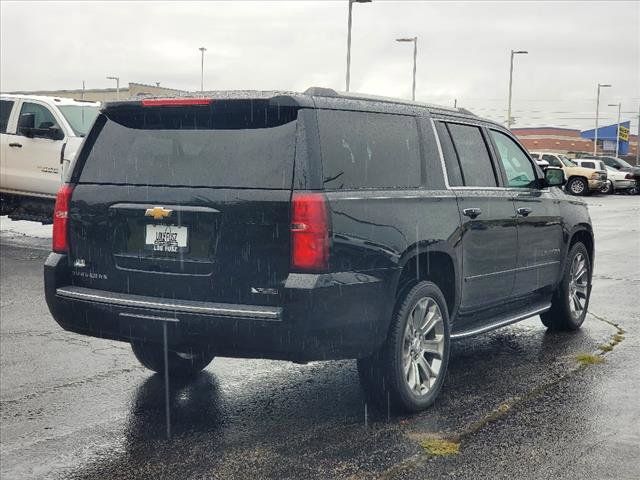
[[172, 305]]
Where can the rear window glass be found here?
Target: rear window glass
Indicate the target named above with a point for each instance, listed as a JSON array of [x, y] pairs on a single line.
[[247, 144], [368, 150]]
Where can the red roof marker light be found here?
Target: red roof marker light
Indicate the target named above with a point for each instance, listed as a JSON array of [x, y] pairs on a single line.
[[176, 102]]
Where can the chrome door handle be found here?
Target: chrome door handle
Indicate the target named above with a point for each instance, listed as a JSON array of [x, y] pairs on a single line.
[[15, 144], [524, 212], [472, 212]]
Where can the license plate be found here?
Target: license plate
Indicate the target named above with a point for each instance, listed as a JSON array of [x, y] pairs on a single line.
[[166, 238]]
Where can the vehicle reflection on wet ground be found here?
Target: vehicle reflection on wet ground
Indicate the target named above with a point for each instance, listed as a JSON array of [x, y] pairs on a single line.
[[83, 408]]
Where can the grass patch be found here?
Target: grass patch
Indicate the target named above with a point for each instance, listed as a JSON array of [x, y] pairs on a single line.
[[439, 447], [606, 347], [589, 359]]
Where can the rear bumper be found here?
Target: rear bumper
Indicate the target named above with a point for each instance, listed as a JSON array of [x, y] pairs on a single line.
[[324, 316], [596, 184], [624, 184]]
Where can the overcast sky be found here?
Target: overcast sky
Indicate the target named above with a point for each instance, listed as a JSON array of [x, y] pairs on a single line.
[[463, 50]]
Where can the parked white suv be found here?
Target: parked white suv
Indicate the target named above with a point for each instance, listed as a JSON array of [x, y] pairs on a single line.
[[39, 136]]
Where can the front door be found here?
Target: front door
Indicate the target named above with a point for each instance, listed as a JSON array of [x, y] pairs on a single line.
[[32, 163], [538, 218]]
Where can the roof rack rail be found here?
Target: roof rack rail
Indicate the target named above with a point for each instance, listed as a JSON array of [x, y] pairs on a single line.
[[468, 112], [321, 92]]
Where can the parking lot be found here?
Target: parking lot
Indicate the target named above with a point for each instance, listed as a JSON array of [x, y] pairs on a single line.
[[77, 407]]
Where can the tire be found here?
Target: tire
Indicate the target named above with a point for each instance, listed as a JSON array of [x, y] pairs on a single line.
[[383, 376], [181, 364], [578, 186], [564, 315], [607, 189]]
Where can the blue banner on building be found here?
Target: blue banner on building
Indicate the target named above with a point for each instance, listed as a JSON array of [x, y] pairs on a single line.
[[609, 135]]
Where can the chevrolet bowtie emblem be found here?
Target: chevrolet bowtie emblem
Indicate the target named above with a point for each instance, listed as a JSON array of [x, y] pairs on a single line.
[[158, 213]]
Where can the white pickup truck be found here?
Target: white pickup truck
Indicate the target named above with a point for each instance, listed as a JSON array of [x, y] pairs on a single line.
[[39, 137]]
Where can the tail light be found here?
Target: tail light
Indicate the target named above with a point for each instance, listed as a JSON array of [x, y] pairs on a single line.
[[61, 219], [309, 232]]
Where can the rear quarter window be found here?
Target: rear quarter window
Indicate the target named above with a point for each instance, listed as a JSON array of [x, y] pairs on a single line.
[[369, 150]]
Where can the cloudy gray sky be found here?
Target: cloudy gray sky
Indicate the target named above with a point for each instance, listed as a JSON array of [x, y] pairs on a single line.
[[463, 50]]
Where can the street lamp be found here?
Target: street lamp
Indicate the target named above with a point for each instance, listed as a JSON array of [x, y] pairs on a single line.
[[619, 105], [202, 50], [513, 52], [117, 79], [351, 2], [415, 54], [595, 134]]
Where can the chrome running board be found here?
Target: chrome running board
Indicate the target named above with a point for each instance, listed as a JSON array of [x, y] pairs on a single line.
[[501, 323]]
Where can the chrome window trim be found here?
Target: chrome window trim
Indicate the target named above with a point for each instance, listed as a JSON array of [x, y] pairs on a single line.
[[442, 163]]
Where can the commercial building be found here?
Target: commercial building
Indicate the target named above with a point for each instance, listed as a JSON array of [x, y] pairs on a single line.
[[573, 141], [132, 90]]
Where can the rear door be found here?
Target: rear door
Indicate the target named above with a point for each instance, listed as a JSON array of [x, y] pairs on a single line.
[[489, 239], [188, 202], [6, 108]]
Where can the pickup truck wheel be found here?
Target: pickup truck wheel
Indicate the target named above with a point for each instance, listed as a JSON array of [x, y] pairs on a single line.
[[607, 188], [578, 186], [571, 299], [408, 372], [181, 364]]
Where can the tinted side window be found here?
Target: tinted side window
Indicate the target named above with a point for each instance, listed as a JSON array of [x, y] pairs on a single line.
[[588, 164], [42, 117], [477, 170], [553, 161], [368, 150], [454, 173], [516, 165], [5, 113]]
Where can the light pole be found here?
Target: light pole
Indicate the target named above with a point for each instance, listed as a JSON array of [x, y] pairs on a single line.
[[513, 52], [595, 133], [415, 54], [351, 2], [619, 105], [117, 79], [202, 50]]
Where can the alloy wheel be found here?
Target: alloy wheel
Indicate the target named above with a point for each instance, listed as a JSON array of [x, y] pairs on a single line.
[[578, 285], [423, 346], [577, 187]]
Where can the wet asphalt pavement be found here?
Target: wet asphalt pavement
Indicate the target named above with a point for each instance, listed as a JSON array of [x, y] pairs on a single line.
[[517, 401]]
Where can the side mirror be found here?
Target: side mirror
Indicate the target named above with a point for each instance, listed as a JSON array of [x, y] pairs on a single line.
[[554, 177], [26, 124], [617, 167], [54, 133]]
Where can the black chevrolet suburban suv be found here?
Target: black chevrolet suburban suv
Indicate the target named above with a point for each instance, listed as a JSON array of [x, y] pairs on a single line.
[[311, 226]]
